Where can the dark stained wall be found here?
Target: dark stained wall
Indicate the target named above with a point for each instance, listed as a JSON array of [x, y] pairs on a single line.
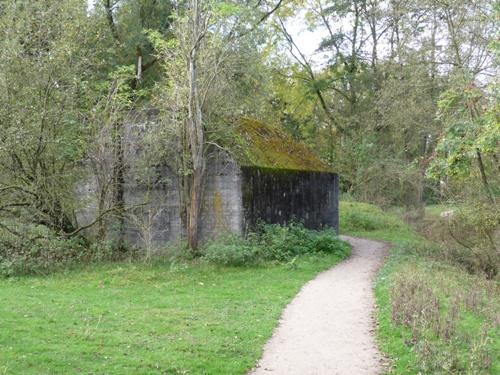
[[277, 196]]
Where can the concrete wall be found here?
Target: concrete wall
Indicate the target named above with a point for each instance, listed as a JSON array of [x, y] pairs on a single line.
[[222, 209], [278, 196], [156, 217]]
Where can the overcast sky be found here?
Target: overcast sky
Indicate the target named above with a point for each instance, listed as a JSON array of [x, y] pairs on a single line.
[[307, 41]]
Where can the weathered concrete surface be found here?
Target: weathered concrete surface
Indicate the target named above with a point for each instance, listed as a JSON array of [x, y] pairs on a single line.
[[222, 209], [157, 215], [278, 196], [328, 329]]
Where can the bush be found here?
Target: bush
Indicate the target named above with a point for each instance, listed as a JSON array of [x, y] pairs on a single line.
[[327, 242], [282, 243], [231, 250], [273, 243], [39, 250], [475, 230], [468, 236]]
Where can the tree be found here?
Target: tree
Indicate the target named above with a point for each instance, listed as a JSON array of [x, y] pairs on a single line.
[[199, 20], [205, 45], [471, 137], [47, 72], [377, 107]]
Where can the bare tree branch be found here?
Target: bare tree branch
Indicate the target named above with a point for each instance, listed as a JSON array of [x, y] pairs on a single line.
[[271, 12]]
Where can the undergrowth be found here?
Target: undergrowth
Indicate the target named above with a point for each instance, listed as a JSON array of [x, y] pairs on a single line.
[[43, 252], [39, 251], [275, 243], [467, 235]]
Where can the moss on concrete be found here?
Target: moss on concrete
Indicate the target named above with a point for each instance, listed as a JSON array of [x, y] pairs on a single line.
[[261, 145]]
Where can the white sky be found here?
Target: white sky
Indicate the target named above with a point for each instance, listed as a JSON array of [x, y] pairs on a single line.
[[307, 41]]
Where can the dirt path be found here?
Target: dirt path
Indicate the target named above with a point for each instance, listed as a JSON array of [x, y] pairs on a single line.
[[328, 328]]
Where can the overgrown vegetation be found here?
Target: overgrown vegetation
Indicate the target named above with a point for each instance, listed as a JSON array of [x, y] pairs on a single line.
[[465, 236], [44, 252], [47, 253], [436, 316], [275, 243], [449, 318]]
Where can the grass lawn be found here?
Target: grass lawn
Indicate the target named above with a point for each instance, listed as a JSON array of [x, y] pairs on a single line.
[[458, 331], [146, 319]]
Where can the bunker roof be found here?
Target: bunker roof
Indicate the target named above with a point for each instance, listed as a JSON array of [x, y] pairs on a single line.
[[262, 145], [256, 144]]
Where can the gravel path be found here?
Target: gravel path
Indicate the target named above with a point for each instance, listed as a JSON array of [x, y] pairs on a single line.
[[328, 329]]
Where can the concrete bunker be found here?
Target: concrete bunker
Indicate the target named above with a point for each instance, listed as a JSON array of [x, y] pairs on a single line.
[[263, 175]]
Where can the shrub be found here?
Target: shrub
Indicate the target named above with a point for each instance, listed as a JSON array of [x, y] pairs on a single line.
[[282, 243], [231, 250], [327, 242], [39, 250], [469, 236], [475, 230], [273, 243]]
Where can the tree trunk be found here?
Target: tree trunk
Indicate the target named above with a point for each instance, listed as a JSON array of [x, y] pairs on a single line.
[[195, 131], [194, 209], [118, 182], [484, 179]]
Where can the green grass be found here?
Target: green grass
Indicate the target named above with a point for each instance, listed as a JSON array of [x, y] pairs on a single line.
[[146, 319], [368, 221], [475, 339]]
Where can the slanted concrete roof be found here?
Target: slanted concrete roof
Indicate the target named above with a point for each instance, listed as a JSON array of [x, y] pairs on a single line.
[[254, 144], [262, 145]]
